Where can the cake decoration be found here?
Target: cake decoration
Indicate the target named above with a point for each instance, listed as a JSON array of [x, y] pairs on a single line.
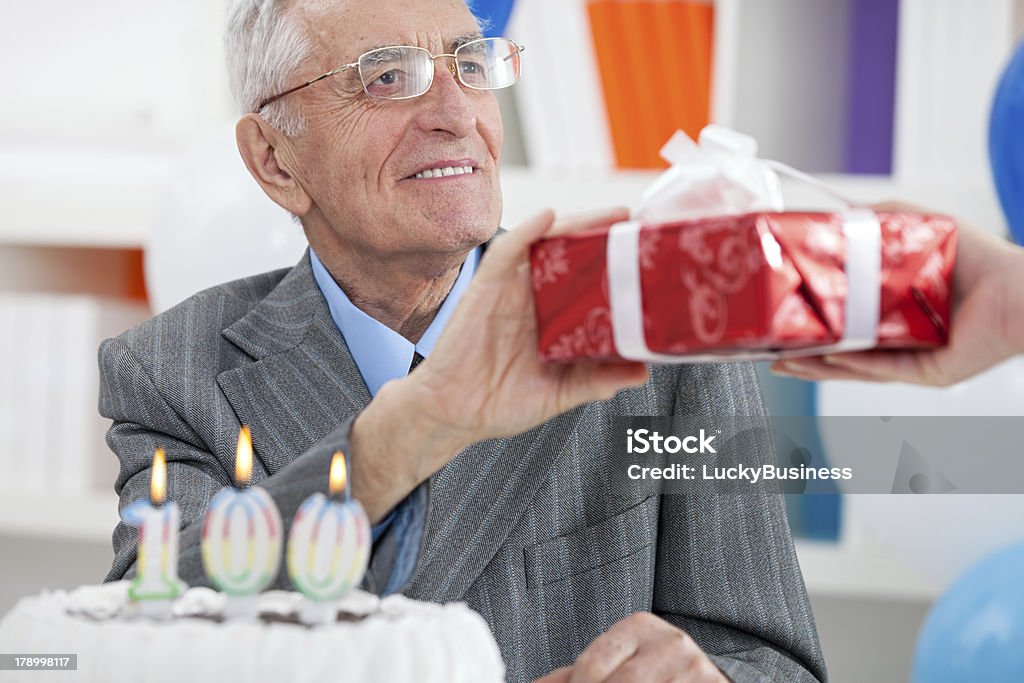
[[242, 537]]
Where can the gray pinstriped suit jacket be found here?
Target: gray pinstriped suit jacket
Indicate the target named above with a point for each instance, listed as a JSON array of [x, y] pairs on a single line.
[[525, 529]]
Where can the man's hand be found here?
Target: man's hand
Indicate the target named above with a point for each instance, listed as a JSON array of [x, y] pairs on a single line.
[[483, 380], [987, 323], [639, 649]]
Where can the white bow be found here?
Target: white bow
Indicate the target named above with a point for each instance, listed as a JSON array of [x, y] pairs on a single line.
[[722, 175]]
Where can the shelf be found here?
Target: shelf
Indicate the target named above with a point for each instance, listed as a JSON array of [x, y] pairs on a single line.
[[80, 199], [55, 516]]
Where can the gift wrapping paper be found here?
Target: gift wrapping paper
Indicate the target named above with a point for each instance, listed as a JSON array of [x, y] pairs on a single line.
[[764, 282]]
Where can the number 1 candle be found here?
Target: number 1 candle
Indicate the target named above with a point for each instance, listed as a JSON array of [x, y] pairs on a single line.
[[241, 540], [328, 547], [156, 581]]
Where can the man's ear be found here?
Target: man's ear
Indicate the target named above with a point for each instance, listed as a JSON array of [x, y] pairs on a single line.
[[261, 147]]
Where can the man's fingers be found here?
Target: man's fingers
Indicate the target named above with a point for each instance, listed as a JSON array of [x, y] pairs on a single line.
[[511, 247], [557, 676], [636, 669], [509, 250], [643, 648], [615, 377], [667, 655], [605, 655], [589, 221], [663, 659], [601, 381], [528, 231]]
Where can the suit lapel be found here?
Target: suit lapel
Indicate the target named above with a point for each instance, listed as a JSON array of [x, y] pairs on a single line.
[[303, 381]]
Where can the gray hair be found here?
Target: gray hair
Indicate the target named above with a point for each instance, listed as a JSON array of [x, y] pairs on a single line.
[[264, 48]]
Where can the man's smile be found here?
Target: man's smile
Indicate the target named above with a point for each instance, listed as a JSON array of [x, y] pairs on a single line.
[[444, 172], [445, 169]]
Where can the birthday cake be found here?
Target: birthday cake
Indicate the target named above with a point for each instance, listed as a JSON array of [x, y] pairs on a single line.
[[370, 639]]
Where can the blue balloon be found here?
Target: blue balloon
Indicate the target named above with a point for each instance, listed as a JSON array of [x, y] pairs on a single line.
[[494, 12], [975, 632], [1006, 143]]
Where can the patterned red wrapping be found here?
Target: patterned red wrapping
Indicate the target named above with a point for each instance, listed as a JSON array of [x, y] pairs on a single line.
[[758, 282]]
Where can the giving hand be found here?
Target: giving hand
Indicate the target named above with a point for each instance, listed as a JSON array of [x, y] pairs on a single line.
[[483, 380], [987, 323]]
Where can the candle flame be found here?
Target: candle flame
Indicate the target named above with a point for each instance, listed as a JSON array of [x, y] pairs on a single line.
[[243, 458], [339, 474], [158, 479]]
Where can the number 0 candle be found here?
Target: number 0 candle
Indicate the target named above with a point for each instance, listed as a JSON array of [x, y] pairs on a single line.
[[241, 540], [328, 547], [156, 581]]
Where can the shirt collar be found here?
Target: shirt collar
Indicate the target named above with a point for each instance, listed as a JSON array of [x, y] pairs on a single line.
[[380, 353]]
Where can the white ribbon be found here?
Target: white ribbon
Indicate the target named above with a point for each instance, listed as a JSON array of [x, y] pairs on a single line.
[[626, 297], [723, 176], [863, 282]]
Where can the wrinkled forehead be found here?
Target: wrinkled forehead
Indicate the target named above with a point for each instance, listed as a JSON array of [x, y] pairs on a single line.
[[344, 29]]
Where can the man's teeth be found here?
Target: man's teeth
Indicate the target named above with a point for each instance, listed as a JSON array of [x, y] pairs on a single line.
[[446, 171]]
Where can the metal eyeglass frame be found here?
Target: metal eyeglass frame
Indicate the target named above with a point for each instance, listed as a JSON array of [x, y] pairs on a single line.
[[453, 68]]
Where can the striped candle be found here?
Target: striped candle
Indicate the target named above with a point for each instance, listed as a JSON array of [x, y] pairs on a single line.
[[156, 582], [328, 547], [242, 536]]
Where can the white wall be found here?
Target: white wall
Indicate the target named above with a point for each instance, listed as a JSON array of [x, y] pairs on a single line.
[[111, 72], [790, 89]]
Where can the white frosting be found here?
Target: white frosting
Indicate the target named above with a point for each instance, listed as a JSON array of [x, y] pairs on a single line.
[[395, 639]]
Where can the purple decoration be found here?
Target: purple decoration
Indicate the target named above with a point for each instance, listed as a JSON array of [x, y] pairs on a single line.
[[871, 86]]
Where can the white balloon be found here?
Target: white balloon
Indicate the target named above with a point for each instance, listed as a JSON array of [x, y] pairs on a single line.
[[215, 225], [939, 535]]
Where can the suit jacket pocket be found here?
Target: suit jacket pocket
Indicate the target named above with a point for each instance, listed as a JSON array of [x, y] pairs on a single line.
[[582, 550]]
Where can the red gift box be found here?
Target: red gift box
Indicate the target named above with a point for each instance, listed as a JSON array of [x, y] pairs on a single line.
[[758, 282]]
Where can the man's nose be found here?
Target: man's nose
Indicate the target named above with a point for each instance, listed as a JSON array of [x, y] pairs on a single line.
[[448, 107]]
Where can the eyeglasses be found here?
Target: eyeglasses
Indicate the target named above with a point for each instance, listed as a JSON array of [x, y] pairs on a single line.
[[403, 72]]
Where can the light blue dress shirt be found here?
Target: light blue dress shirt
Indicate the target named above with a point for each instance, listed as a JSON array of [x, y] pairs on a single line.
[[381, 354]]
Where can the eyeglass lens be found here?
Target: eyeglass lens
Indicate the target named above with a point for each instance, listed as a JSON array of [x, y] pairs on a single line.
[[402, 72]]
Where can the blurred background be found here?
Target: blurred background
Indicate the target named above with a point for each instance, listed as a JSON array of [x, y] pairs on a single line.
[[121, 193]]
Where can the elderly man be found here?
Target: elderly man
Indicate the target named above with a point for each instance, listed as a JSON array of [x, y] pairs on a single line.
[[373, 122]]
